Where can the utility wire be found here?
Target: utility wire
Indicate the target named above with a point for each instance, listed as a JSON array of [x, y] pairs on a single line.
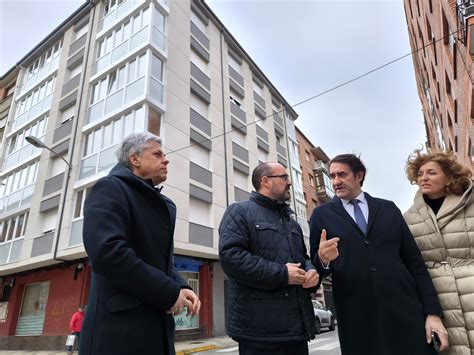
[[433, 42]]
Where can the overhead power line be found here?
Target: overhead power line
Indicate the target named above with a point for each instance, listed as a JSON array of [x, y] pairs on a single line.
[[345, 83]]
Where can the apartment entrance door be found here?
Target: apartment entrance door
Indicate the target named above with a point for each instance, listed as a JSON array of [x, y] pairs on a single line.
[[33, 309]]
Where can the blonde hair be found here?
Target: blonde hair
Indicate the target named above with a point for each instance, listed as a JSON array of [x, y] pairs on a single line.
[[458, 174]]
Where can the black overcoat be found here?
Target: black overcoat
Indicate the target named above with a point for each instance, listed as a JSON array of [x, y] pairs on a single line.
[[128, 236], [382, 290]]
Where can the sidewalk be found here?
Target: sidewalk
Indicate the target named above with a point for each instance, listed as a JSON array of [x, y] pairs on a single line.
[[182, 347], [194, 346]]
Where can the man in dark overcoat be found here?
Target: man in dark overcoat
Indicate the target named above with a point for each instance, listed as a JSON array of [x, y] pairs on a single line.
[[385, 300], [262, 251], [128, 236]]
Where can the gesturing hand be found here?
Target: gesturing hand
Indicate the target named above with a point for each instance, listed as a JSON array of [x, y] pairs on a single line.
[[328, 248], [296, 276]]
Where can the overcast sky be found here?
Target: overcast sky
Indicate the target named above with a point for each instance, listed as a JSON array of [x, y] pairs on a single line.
[[304, 48]]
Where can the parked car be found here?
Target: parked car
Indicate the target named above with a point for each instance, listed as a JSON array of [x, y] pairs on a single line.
[[324, 317]]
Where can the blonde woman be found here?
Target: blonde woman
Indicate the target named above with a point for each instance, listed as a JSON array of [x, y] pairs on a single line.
[[442, 221]]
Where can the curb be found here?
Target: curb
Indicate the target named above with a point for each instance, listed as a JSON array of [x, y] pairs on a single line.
[[196, 350]]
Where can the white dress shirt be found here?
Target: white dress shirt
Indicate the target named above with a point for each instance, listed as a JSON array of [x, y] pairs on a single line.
[[362, 204]]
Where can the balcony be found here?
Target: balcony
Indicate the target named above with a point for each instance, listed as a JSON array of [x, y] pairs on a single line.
[[41, 75], [464, 10], [118, 12], [320, 166], [324, 190]]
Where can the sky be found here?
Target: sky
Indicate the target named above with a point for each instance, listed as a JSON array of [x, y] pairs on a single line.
[[304, 48]]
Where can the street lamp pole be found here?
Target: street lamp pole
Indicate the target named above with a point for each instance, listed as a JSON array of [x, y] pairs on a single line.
[[39, 144]]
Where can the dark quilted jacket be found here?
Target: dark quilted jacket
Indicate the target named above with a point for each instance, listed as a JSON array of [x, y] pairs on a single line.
[[257, 239]]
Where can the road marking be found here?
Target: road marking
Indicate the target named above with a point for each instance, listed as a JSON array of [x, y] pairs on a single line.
[[229, 350], [328, 346]]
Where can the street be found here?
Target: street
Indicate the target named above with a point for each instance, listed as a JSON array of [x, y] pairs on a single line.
[[326, 343]]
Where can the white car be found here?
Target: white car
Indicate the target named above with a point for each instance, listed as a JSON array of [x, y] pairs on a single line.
[[324, 317]]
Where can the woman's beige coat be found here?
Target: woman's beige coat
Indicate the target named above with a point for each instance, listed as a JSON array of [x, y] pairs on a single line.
[[446, 241]]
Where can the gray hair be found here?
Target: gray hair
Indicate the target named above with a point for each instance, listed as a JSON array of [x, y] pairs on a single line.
[[135, 143]]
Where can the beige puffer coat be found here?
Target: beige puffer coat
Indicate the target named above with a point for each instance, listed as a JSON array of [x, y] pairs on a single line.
[[446, 241]]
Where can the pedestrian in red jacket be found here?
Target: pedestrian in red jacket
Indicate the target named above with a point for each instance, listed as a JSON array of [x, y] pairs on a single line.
[[75, 325]]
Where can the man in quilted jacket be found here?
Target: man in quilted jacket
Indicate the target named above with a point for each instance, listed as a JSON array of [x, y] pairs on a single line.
[[262, 251]]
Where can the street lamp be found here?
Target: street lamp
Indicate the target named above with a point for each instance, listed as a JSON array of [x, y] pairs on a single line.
[[39, 144]]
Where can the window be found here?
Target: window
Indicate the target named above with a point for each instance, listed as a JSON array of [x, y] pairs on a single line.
[[241, 180], [111, 5], [126, 37], [101, 143], [12, 231], [80, 32], [200, 156], [200, 63], [198, 22], [35, 103], [18, 188], [234, 101], [80, 200], [235, 64], [311, 180], [50, 54], [13, 228], [257, 88], [18, 149], [199, 106], [307, 155], [199, 212], [126, 84], [78, 217]]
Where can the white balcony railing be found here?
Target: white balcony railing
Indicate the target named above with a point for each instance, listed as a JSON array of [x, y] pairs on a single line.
[[34, 111], [42, 74]]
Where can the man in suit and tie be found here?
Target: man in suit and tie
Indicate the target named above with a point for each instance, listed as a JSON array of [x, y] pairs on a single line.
[[384, 297]]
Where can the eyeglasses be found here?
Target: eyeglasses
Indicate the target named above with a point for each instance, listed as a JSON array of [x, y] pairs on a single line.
[[285, 177]]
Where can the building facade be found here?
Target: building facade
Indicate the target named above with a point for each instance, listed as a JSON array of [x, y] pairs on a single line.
[[440, 34], [112, 68], [317, 189]]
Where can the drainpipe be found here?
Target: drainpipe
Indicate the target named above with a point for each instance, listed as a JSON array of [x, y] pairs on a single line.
[[293, 197], [73, 138], [223, 125]]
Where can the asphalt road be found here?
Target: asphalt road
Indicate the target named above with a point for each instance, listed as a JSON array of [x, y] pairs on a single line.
[[326, 343]]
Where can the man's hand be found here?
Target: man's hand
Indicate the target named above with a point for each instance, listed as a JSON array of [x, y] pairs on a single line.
[[311, 279], [328, 248], [191, 296], [188, 299], [296, 276], [434, 323]]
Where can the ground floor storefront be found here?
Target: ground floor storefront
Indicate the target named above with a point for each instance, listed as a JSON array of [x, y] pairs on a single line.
[[36, 305]]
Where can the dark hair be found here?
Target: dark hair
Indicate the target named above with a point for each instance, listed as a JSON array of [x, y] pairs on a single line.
[[460, 176], [354, 163], [260, 171]]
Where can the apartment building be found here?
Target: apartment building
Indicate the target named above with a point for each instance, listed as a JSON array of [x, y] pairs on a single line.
[[440, 34], [317, 189], [7, 87], [112, 68]]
